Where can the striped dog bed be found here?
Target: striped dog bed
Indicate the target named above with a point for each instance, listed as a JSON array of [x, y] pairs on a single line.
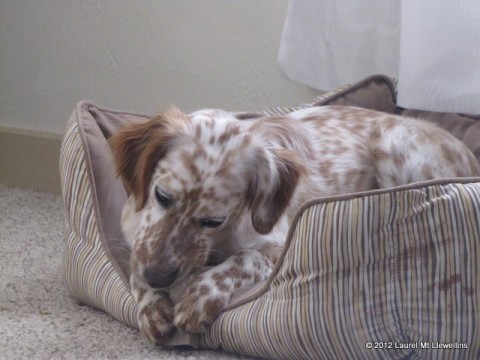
[[385, 274]]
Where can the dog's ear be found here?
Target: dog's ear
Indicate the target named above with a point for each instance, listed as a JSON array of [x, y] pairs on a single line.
[[137, 148], [273, 181]]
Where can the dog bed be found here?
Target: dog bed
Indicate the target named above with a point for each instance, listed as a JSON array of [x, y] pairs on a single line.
[[384, 274]]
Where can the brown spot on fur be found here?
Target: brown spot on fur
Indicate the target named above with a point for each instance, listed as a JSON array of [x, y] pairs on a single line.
[[161, 309], [226, 165], [223, 171], [376, 134], [234, 273], [148, 232], [339, 150], [427, 172], [390, 123], [257, 278], [228, 134], [220, 282], [360, 127], [318, 119], [399, 159], [223, 287], [198, 131], [218, 277], [193, 288], [326, 167], [203, 290], [448, 153], [379, 155], [357, 180], [189, 163], [213, 308], [199, 152], [246, 142], [141, 252], [210, 160], [239, 261]]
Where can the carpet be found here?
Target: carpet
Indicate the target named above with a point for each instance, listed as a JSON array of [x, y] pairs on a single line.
[[38, 318]]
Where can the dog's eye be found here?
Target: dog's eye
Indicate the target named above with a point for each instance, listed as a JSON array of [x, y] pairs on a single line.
[[163, 199], [212, 222]]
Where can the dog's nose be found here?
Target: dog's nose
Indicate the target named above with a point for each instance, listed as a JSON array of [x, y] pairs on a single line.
[[159, 279]]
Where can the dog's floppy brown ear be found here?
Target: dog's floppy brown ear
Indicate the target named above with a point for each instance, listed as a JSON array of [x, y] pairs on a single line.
[[273, 181], [137, 148]]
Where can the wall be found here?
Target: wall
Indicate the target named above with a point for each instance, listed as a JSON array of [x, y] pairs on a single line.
[[139, 56]]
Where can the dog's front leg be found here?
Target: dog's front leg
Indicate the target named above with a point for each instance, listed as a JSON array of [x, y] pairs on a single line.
[[208, 293], [154, 313]]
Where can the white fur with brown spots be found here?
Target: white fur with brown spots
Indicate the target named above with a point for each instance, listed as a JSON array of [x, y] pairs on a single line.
[[208, 188]]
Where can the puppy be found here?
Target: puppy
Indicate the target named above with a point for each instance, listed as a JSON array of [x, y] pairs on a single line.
[[208, 188]]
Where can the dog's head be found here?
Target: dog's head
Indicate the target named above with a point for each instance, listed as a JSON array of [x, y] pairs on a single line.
[[191, 178]]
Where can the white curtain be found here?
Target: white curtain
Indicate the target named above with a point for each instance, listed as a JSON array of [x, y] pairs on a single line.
[[431, 46], [440, 55]]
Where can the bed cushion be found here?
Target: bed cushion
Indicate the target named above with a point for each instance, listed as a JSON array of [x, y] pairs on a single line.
[[390, 274], [369, 276]]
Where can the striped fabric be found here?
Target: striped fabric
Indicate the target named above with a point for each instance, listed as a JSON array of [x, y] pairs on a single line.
[[397, 270], [88, 272]]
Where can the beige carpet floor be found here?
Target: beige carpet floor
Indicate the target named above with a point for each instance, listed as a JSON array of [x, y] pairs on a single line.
[[38, 318]]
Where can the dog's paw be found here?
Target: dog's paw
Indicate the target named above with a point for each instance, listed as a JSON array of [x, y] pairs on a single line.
[[198, 307], [155, 317], [209, 293]]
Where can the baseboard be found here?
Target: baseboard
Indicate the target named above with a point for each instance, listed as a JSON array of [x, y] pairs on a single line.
[[29, 159]]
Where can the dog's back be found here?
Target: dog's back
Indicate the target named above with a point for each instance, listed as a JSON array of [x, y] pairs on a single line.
[[347, 149]]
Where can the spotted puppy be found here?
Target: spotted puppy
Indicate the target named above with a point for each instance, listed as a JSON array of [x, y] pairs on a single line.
[[208, 188]]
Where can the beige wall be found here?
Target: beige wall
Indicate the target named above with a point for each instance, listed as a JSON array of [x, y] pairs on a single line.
[[139, 55], [29, 159]]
